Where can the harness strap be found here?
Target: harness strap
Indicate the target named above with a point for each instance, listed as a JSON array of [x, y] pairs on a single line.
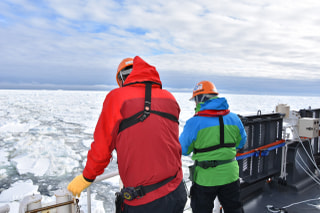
[[222, 143], [165, 115], [212, 163], [130, 193], [147, 102], [142, 190], [142, 115], [221, 124]]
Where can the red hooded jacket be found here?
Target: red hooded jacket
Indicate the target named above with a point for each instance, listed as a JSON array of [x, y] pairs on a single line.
[[147, 152]]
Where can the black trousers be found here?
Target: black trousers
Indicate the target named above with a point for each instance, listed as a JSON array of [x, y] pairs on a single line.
[[174, 202], [202, 198]]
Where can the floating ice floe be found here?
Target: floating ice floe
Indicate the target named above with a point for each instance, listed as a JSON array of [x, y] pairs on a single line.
[[27, 164], [18, 190]]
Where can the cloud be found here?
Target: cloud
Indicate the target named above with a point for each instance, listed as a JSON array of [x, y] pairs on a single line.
[[81, 40]]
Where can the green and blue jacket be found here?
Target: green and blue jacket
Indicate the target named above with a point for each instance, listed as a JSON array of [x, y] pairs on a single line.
[[203, 131]]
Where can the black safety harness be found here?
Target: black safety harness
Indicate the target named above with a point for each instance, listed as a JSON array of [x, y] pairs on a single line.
[[222, 143], [212, 163], [130, 193], [142, 115]]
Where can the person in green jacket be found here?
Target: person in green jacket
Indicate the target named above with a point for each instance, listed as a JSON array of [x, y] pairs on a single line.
[[213, 134]]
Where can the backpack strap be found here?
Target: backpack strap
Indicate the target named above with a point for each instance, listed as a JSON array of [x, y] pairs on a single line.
[[222, 143]]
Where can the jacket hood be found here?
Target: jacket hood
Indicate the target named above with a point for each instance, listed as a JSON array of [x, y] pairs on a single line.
[[215, 104], [142, 71]]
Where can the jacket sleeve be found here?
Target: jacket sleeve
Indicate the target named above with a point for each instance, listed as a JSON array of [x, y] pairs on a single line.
[[100, 154], [187, 137], [243, 135]]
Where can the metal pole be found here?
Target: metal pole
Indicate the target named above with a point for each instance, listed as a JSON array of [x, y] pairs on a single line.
[[50, 207], [106, 176], [98, 179], [89, 199]]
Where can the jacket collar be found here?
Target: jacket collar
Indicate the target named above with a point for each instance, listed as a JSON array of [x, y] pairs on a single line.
[[212, 113], [215, 103]]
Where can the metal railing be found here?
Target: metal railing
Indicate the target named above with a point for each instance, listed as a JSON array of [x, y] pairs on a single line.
[[99, 179]]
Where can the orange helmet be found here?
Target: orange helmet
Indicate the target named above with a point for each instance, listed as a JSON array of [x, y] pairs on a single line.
[[125, 63], [204, 87]]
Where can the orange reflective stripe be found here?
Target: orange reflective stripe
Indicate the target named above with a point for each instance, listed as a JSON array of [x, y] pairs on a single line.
[[261, 148]]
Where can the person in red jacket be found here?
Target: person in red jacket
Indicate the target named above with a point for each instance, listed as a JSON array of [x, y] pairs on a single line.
[[140, 121]]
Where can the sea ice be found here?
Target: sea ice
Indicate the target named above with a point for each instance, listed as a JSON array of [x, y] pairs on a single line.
[[18, 191], [45, 134], [27, 164]]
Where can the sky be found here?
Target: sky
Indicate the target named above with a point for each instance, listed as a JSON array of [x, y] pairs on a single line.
[[242, 46]]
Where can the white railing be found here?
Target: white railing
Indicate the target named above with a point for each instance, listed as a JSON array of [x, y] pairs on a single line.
[[5, 209], [99, 179], [64, 203]]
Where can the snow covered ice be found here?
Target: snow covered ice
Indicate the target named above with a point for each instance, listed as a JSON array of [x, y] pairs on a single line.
[[45, 136]]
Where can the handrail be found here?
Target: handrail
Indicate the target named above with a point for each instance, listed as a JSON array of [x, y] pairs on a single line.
[[99, 179], [42, 209]]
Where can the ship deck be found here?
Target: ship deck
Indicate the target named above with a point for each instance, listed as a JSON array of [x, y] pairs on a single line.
[[303, 197]]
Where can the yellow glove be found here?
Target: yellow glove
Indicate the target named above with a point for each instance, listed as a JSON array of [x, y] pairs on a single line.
[[77, 185]]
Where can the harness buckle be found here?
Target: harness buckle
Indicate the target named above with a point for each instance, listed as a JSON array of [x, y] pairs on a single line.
[[146, 111], [129, 193], [140, 192], [144, 116]]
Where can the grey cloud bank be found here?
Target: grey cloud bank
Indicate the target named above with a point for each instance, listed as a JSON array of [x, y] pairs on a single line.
[[242, 46]]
